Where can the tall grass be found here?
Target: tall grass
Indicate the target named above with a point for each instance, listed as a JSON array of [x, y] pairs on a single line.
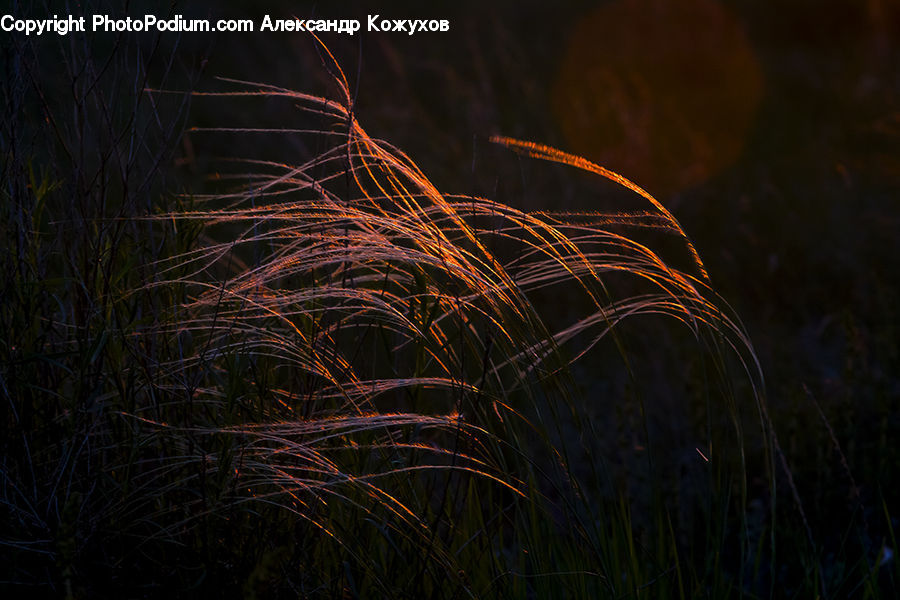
[[371, 354], [330, 378], [317, 375]]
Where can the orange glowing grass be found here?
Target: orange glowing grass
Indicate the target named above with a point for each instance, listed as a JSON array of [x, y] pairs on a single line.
[[389, 326]]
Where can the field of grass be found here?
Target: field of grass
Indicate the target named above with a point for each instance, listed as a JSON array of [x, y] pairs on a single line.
[[282, 323]]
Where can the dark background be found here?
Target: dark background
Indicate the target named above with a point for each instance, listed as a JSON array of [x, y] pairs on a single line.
[[771, 131]]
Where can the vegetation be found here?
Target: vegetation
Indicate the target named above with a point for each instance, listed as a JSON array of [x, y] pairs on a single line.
[[303, 370]]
